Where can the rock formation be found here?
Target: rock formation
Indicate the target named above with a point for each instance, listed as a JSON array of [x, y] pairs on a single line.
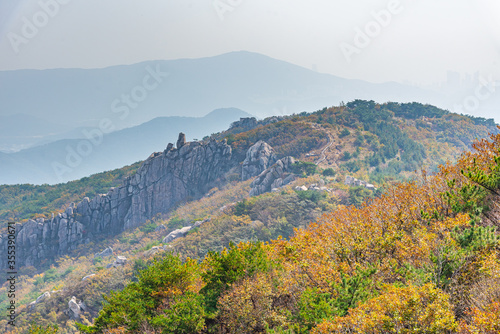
[[75, 309], [87, 277], [244, 124], [41, 298], [259, 157], [182, 232], [107, 252], [351, 181], [273, 177], [120, 261], [163, 180]]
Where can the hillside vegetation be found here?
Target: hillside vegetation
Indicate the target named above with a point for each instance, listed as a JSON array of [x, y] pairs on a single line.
[[420, 255], [377, 141], [422, 258]]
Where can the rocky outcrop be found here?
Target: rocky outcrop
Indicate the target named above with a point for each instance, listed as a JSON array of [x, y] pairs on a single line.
[[179, 233], [163, 180], [41, 298], [259, 157], [273, 177], [182, 232], [107, 252], [75, 308], [181, 141], [120, 261], [87, 277], [153, 250], [320, 186], [244, 124], [351, 181]]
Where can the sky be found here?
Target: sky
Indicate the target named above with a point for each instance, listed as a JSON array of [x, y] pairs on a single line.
[[388, 40]]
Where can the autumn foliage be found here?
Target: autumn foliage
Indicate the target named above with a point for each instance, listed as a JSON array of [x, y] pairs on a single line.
[[422, 258]]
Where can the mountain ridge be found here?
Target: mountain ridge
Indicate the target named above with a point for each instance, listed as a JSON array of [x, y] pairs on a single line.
[[178, 209], [269, 86], [36, 164]]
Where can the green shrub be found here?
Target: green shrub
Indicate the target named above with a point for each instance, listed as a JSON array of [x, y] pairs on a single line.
[[329, 172], [344, 133], [304, 168]]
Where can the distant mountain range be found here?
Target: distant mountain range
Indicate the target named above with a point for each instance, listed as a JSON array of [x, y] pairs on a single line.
[[46, 106], [70, 159], [133, 94]]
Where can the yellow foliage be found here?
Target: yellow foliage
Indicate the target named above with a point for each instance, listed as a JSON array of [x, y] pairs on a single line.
[[485, 320], [408, 309], [251, 304]]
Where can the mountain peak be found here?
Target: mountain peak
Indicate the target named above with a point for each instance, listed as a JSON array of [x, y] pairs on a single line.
[[226, 112]]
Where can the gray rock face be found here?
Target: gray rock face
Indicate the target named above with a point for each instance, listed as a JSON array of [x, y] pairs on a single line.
[[272, 177], [179, 233], [245, 123], [74, 308], [87, 277], [164, 179], [120, 261], [351, 181], [41, 298], [258, 158], [107, 252], [182, 232]]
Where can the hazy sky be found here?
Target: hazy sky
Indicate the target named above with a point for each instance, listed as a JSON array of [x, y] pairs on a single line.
[[418, 41]]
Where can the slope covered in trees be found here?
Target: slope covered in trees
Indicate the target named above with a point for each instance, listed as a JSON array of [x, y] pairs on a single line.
[[418, 248], [422, 258], [383, 141]]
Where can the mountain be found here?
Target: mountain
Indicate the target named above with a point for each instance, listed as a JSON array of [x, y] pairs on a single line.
[[319, 187], [70, 159], [129, 95], [20, 131]]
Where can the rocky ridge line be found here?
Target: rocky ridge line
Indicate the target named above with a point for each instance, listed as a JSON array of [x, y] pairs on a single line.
[[164, 179]]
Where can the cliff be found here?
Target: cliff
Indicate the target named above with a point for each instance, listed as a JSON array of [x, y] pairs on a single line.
[[164, 179]]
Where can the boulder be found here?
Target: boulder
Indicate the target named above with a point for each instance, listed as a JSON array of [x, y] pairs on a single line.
[[105, 253], [258, 158], [176, 234], [87, 277], [31, 306], [245, 123], [74, 308], [41, 298], [349, 180], [201, 222], [273, 175]]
